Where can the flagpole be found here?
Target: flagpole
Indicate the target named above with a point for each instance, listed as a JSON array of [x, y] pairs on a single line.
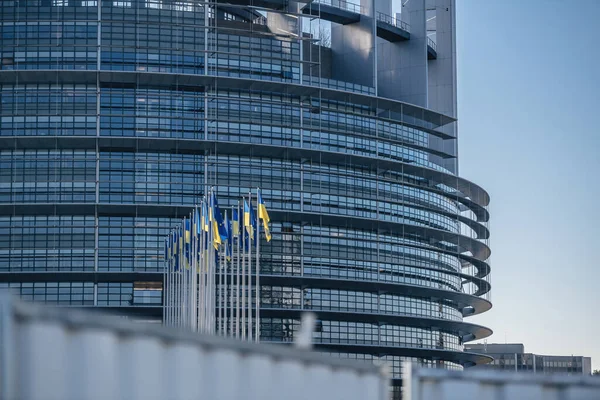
[[213, 274], [176, 281], [201, 270], [209, 276], [237, 279], [257, 273], [171, 269], [243, 290], [250, 268], [194, 266], [164, 285], [182, 290], [222, 322], [180, 277], [202, 293], [232, 285]]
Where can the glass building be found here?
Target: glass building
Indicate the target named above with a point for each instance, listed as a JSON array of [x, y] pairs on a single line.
[[115, 116]]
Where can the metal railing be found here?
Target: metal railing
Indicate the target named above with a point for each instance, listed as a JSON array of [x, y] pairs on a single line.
[[431, 44], [342, 5], [262, 20], [388, 19]]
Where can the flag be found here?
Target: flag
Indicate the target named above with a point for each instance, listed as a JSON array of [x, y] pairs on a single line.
[[197, 226], [176, 250], [235, 223], [205, 216], [188, 240], [249, 219], [218, 219], [264, 215], [229, 241], [167, 250]]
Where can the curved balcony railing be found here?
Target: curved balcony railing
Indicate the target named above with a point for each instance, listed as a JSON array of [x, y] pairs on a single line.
[[431, 44], [342, 5], [388, 19]]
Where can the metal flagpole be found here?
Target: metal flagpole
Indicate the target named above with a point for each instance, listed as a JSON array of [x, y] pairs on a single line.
[[237, 279], [222, 325], [243, 289], [182, 289], [170, 281], [201, 271], [175, 280], [194, 266], [217, 284], [164, 303], [257, 275], [208, 268], [212, 270], [250, 268], [166, 284], [179, 280], [231, 283]]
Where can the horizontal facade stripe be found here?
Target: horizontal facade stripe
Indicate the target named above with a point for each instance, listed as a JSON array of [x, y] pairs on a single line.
[[417, 322], [461, 328], [475, 305], [393, 110], [461, 243], [197, 146], [464, 358]]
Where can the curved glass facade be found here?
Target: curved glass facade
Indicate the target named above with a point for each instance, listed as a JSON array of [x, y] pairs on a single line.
[[115, 116]]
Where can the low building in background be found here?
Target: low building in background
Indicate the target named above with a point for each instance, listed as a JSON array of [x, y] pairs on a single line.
[[513, 357]]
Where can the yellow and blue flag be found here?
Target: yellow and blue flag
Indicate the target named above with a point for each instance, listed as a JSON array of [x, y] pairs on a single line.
[[205, 216], [218, 218], [249, 219], [264, 215], [229, 241], [235, 223]]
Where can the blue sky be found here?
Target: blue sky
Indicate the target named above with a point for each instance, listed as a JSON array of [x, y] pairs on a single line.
[[529, 101]]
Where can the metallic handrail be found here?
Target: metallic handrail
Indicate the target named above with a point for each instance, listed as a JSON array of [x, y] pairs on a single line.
[[431, 44], [388, 19], [342, 5], [262, 20]]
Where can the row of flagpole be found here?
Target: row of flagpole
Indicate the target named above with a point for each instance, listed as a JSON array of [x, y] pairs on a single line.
[[208, 269]]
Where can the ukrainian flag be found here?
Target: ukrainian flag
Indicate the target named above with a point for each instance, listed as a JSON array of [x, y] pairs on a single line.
[[218, 218], [235, 223], [264, 215], [197, 228], [249, 220], [205, 217], [188, 232], [229, 241]]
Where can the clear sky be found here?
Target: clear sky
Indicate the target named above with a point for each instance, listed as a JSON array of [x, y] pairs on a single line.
[[529, 133]]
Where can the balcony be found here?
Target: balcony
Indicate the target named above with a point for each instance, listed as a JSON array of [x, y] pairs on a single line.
[[431, 49], [338, 11], [391, 28]]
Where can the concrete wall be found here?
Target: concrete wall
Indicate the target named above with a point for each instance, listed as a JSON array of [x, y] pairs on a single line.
[[402, 66], [497, 348], [353, 49], [442, 96]]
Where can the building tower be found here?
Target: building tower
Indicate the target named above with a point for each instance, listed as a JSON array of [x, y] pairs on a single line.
[[117, 115]]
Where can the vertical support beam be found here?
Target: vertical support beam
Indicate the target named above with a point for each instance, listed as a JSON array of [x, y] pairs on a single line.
[[441, 76], [402, 67]]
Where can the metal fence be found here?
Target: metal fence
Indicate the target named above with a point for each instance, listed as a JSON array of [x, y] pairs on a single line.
[[61, 354], [388, 19], [439, 384]]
